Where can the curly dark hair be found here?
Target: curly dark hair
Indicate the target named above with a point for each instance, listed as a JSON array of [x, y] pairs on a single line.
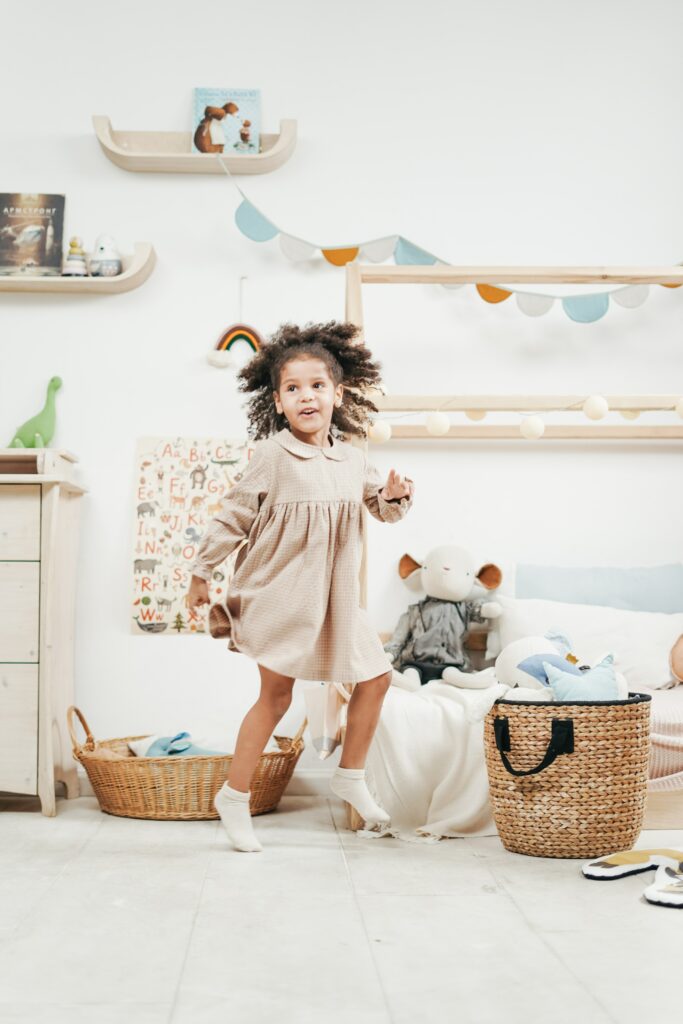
[[348, 363]]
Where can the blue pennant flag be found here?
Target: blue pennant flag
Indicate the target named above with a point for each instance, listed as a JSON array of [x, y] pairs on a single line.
[[408, 254], [586, 308], [253, 224]]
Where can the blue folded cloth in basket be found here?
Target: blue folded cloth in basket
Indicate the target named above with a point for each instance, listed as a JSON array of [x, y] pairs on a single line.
[[181, 744]]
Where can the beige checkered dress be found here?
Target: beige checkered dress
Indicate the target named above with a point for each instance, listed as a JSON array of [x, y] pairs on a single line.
[[293, 604]]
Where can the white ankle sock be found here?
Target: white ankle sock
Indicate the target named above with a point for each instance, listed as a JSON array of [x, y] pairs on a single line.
[[349, 784], [233, 807]]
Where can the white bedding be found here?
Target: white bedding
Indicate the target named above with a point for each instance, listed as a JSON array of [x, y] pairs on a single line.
[[426, 764]]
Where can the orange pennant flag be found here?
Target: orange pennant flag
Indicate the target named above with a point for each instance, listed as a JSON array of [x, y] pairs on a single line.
[[491, 294], [340, 257]]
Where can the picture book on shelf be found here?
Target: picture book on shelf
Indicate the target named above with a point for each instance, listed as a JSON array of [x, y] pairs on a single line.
[[226, 121], [31, 229]]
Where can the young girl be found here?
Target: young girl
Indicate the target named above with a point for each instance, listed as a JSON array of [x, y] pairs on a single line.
[[293, 601]]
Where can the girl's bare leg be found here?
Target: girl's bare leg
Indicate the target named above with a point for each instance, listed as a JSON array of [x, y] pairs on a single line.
[[348, 781], [257, 726], [232, 800], [362, 717]]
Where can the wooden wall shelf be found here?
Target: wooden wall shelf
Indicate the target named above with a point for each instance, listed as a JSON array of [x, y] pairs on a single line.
[[136, 269], [171, 152]]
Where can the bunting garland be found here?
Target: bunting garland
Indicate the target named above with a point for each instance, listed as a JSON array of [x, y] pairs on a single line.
[[583, 309]]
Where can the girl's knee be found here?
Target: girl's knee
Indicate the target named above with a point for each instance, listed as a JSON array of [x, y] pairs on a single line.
[[380, 683], [276, 702], [276, 692]]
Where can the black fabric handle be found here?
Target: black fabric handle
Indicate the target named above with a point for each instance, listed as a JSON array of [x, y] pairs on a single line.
[[561, 742]]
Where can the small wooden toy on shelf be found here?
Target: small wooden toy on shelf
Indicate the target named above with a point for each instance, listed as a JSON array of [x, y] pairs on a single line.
[[105, 260], [75, 263]]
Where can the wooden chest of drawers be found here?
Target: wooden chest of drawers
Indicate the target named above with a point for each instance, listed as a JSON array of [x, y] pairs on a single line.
[[39, 511]]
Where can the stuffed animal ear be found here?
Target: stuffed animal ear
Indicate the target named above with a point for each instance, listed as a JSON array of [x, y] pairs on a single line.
[[490, 576], [560, 640], [607, 660], [554, 674], [407, 566]]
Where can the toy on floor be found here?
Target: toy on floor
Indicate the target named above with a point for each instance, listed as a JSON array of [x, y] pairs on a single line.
[[631, 862], [39, 430], [667, 888], [430, 634], [543, 668]]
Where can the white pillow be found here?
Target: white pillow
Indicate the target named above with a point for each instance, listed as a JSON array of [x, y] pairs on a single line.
[[641, 641]]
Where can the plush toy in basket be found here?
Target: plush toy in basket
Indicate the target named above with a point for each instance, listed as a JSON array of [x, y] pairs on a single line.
[[545, 668], [176, 787]]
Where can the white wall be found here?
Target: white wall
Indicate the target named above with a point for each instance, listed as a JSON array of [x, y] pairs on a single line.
[[488, 133]]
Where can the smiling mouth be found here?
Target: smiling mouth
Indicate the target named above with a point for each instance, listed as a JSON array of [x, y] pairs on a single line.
[[308, 412]]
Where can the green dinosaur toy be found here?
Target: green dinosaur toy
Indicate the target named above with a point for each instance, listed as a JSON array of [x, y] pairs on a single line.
[[39, 430]]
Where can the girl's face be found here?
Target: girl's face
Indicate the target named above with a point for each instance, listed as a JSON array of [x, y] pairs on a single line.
[[307, 396]]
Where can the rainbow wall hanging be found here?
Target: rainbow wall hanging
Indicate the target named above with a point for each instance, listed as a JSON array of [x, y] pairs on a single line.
[[222, 355], [234, 337]]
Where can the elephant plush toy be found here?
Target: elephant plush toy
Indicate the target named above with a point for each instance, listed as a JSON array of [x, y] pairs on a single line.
[[429, 636]]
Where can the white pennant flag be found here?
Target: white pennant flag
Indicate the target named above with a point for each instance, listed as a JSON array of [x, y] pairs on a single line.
[[533, 304], [296, 249]]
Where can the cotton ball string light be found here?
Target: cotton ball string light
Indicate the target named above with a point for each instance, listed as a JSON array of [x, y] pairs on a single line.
[[679, 407], [379, 431], [629, 414], [475, 414], [532, 427], [595, 407], [438, 423]]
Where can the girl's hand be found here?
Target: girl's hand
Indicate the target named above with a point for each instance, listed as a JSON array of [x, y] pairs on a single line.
[[397, 486], [198, 593]]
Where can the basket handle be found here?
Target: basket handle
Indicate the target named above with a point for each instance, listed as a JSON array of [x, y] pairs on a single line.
[[561, 742], [300, 733], [89, 740]]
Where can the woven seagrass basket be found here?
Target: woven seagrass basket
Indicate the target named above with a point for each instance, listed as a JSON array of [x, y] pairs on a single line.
[[176, 787], [568, 779]]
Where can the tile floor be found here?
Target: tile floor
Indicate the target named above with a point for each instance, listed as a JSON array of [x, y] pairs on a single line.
[[106, 919]]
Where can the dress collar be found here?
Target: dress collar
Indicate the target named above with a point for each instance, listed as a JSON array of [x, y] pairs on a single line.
[[286, 438]]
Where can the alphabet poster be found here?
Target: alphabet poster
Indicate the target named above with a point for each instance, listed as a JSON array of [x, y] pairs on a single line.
[[179, 484]]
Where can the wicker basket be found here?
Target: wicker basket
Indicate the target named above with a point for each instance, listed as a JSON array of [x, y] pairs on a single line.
[[574, 783], [176, 787]]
